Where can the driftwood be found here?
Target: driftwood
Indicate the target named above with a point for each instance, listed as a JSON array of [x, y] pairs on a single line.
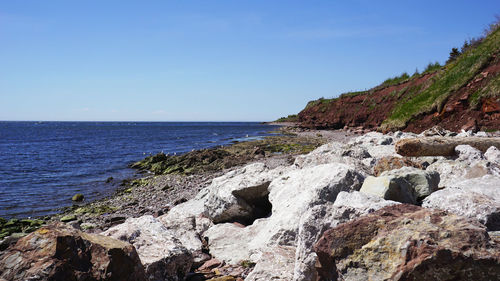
[[442, 146]]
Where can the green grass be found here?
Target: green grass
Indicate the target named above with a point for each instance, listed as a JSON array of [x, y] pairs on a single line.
[[320, 101], [353, 94], [490, 90], [455, 75], [431, 67], [396, 80], [289, 118]]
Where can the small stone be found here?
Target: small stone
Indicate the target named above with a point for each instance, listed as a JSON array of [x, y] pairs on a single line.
[[210, 264], [87, 226], [77, 197], [223, 278], [68, 218]]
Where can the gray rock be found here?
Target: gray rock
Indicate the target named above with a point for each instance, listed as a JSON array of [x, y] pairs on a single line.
[[162, 255], [478, 199], [422, 182], [358, 152], [389, 188]]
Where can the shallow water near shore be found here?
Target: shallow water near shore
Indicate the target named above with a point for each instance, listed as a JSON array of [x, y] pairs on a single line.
[[42, 164]]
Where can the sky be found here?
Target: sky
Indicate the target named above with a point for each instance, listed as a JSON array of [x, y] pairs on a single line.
[[214, 60]]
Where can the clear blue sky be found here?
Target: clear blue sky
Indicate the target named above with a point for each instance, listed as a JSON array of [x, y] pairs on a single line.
[[213, 60]]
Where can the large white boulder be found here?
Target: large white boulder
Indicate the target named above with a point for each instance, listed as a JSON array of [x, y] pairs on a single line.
[[187, 222], [291, 195], [327, 153], [452, 171], [162, 255], [477, 199], [231, 197], [228, 197]]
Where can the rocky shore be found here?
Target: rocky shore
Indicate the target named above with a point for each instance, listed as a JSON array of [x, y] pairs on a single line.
[[350, 209], [155, 192]]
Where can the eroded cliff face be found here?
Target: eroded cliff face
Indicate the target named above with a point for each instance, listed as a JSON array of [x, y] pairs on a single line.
[[463, 94], [463, 109], [365, 109]]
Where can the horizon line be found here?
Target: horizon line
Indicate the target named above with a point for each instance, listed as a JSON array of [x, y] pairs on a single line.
[[143, 121]]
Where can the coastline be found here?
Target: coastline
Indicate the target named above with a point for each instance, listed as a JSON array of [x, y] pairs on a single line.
[[152, 194], [208, 232]]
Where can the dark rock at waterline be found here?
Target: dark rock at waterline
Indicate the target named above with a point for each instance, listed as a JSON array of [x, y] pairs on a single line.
[[9, 227], [77, 197], [407, 242], [220, 158], [59, 252]]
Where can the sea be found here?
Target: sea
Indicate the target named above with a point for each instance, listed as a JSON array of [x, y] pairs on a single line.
[[43, 164]]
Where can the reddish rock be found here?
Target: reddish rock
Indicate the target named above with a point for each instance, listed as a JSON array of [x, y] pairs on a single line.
[[490, 106], [406, 242], [366, 111], [212, 263], [59, 252], [371, 108], [471, 125], [393, 163]]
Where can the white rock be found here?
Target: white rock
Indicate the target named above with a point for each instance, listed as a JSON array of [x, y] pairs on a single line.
[[297, 191], [187, 222], [468, 153], [481, 134], [493, 155], [464, 133], [373, 138], [363, 203], [477, 198], [275, 264], [325, 154], [291, 195], [162, 255], [451, 171], [230, 242], [229, 197], [403, 135]]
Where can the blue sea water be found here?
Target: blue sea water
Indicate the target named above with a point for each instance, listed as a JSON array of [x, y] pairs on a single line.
[[43, 164]]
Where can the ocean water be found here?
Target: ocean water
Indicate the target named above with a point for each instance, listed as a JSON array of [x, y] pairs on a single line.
[[43, 164]]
